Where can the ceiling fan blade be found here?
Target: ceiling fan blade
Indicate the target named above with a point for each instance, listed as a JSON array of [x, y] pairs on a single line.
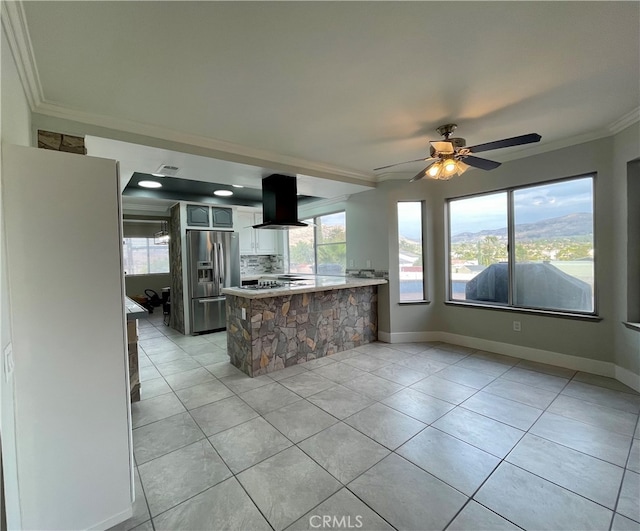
[[398, 163], [442, 146], [506, 142], [483, 164], [421, 174]]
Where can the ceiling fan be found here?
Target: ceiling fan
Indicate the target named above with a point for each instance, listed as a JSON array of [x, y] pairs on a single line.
[[451, 156]]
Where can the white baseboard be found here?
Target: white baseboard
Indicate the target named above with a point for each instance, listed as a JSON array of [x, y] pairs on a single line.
[[113, 520], [628, 378], [577, 363], [408, 337]]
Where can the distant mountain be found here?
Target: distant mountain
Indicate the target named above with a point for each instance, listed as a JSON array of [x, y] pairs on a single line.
[[569, 226]]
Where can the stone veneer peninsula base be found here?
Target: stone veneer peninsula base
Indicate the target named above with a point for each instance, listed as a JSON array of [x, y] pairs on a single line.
[[284, 330]]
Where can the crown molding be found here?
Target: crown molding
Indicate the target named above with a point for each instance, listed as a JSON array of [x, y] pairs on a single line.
[[16, 30], [14, 23], [321, 203], [259, 157], [225, 150], [625, 121]]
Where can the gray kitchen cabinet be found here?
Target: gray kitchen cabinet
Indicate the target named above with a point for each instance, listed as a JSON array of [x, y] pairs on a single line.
[[198, 216], [222, 217]]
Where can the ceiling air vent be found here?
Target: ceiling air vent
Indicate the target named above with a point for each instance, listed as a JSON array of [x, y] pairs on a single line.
[[167, 171]]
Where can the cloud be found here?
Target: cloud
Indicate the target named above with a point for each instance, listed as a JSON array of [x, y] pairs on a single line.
[[485, 212]]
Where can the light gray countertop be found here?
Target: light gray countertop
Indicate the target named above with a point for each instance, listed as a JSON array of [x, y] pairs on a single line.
[[133, 310], [310, 284]]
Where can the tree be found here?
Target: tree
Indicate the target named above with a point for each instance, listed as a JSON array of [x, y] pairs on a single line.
[[301, 253], [490, 250]]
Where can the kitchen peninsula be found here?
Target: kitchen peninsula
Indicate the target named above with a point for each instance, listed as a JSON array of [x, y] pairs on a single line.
[[132, 312], [315, 316]]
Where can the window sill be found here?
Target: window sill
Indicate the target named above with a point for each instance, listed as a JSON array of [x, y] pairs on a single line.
[[632, 326], [126, 275], [409, 303], [545, 313]]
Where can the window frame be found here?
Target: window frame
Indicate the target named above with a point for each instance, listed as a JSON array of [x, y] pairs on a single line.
[[149, 239], [315, 238], [511, 250], [313, 221], [423, 216]]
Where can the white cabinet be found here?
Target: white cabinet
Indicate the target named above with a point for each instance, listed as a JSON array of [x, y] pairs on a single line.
[[252, 241], [244, 222], [265, 240]]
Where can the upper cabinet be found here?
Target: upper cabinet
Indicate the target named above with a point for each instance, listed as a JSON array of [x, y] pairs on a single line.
[[239, 219], [198, 216], [203, 216], [252, 241], [222, 217]]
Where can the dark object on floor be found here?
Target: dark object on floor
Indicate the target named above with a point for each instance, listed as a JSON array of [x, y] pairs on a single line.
[[166, 305], [154, 298]]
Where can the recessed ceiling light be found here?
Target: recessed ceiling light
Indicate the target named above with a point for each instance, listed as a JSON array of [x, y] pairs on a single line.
[[149, 184], [223, 193], [237, 186], [158, 174]]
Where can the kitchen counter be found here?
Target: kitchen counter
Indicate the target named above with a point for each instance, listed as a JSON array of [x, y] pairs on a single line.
[[309, 284], [277, 327], [133, 311]]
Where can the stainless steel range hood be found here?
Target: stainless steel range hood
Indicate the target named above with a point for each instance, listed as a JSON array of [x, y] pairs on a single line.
[[279, 203]]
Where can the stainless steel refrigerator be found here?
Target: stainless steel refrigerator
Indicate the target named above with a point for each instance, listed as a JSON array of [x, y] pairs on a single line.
[[213, 264]]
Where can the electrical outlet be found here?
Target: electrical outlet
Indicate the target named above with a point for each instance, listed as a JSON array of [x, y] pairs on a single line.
[[516, 326], [244, 313], [351, 263], [368, 264]]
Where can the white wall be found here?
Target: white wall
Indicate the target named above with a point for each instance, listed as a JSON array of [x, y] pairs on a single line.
[[601, 343], [16, 115], [15, 128], [626, 148], [586, 339], [136, 284]]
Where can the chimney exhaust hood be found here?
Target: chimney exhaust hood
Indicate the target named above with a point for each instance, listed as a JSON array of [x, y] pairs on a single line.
[[279, 203]]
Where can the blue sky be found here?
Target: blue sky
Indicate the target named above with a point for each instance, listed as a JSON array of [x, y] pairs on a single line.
[[489, 211], [531, 204], [409, 216]]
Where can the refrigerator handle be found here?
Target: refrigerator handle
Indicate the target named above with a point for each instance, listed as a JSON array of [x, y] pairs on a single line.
[[221, 265], [214, 264]]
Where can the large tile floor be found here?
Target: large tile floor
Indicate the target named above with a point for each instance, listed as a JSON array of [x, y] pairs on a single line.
[[408, 436]]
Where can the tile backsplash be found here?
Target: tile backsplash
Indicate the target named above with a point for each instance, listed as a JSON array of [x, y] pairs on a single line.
[[256, 264], [368, 273]]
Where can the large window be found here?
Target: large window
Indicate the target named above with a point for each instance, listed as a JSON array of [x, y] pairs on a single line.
[[321, 247], [410, 251], [529, 247], [142, 256]]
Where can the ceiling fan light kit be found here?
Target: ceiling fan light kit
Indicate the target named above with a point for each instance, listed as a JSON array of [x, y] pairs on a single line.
[[452, 157], [444, 169]]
